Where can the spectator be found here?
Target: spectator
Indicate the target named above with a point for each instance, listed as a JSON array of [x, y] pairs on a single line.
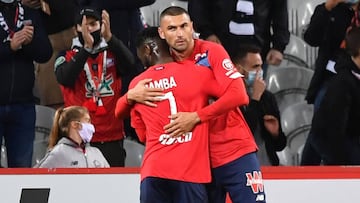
[[263, 23], [126, 23], [58, 17], [158, 184], [262, 114], [21, 33], [335, 124], [69, 142], [90, 75], [327, 29]]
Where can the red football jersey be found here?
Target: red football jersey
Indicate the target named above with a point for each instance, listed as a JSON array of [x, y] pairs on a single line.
[[107, 127], [187, 89], [230, 136]]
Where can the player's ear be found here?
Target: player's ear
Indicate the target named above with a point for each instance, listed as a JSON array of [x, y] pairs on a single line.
[[147, 49], [161, 33]]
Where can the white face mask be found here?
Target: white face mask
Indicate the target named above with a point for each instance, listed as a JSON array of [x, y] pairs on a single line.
[[87, 131]]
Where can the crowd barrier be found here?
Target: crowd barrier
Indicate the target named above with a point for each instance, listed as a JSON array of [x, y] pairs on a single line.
[[121, 185]]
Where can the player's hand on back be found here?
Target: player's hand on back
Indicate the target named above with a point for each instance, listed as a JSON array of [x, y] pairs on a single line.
[[181, 123], [145, 95]]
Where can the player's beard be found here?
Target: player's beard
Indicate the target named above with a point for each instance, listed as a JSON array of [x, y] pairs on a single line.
[[180, 49]]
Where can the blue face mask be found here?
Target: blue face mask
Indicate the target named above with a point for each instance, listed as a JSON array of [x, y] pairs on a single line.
[[251, 77]]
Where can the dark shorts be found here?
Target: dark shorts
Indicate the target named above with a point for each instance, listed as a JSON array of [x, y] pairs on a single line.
[[241, 178], [161, 190]]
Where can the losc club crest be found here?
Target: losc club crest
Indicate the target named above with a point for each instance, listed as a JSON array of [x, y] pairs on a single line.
[[227, 64]]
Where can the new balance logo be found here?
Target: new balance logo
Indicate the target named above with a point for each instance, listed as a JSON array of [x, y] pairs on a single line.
[[260, 198]]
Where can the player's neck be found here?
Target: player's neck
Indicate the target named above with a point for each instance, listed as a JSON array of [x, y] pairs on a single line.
[[164, 59]]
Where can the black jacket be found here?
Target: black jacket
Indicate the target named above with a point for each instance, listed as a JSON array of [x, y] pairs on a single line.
[[68, 73], [62, 16], [17, 68], [254, 114], [125, 24], [336, 123], [326, 30], [124, 17], [213, 17]]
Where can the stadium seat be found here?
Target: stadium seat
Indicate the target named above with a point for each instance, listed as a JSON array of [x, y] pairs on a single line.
[[3, 156], [298, 154], [296, 116], [280, 79], [152, 12], [134, 153], [300, 13], [296, 139], [296, 123], [43, 124], [289, 85], [296, 51], [289, 97], [285, 157]]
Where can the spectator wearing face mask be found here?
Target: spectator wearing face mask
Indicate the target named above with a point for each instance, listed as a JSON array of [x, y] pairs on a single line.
[[90, 75], [69, 144], [262, 114]]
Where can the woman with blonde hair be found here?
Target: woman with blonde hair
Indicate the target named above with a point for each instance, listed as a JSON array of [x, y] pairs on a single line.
[[69, 144]]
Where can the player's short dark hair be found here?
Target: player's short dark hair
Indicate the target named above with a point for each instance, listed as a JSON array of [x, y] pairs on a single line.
[[173, 11], [352, 41], [149, 34], [243, 50]]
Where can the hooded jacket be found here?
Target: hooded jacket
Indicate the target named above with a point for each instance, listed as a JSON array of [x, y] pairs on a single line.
[[68, 154]]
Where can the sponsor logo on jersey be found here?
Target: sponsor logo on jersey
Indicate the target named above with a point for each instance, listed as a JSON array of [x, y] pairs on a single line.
[[110, 62], [105, 88], [165, 83], [165, 139], [254, 180]]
